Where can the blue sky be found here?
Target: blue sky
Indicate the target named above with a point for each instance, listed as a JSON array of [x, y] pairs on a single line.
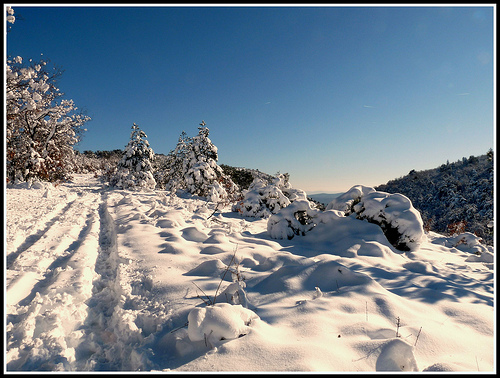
[[335, 96]]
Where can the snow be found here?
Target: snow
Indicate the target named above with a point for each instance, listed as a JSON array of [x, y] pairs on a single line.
[[101, 279]]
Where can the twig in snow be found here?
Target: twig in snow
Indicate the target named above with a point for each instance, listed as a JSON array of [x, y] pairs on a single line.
[[208, 298], [420, 330], [178, 328], [216, 207], [225, 272], [398, 324]]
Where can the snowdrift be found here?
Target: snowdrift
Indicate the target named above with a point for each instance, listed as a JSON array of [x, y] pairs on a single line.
[[118, 280]]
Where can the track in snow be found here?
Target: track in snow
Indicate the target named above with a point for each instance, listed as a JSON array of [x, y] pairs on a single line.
[[73, 303], [49, 279]]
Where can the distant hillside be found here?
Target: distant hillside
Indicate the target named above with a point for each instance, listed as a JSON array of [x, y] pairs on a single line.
[[454, 197]]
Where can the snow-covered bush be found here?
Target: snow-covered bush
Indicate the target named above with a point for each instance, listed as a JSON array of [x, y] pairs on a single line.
[[394, 213], [400, 221], [295, 219], [263, 198], [346, 201], [219, 322], [134, 171], [298, 219], [41, 129]]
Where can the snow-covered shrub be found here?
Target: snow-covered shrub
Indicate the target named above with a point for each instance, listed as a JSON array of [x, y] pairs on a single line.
[[468, 242], [134, 171], [346, 201], [263, 198], [298, 219], [295, 219], [394, 213], [219, 322], [400, 221]]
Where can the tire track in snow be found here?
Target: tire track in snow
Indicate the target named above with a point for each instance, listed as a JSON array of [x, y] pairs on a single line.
[[42, 328], [34, 238], [61, 262]]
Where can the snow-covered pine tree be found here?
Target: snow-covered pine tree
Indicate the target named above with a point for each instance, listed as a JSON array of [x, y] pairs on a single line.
[[134, 170], [202, 175], [170, 174]]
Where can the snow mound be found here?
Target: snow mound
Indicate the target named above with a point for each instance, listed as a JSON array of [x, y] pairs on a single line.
[[396, 355], [208, 268], [308, 274], [219, 322]]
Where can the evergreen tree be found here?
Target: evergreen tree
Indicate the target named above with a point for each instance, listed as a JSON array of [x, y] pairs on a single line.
[[135, 169], [192, 166], [202, 175], [170, 174]]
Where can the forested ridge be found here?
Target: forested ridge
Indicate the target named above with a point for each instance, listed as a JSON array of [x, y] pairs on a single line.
[[453, 198]]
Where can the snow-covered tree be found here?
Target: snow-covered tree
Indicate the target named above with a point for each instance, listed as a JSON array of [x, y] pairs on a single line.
[[135, 169], [192, 166], [10, 18], [41, 128], [170, 174]]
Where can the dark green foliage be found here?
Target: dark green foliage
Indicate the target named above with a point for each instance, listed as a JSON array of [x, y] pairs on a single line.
[[241, 177]]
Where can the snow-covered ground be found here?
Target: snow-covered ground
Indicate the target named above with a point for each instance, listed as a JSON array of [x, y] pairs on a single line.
[[114, 280]]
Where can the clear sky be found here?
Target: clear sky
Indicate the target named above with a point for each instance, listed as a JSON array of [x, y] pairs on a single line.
[[335, 96]]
